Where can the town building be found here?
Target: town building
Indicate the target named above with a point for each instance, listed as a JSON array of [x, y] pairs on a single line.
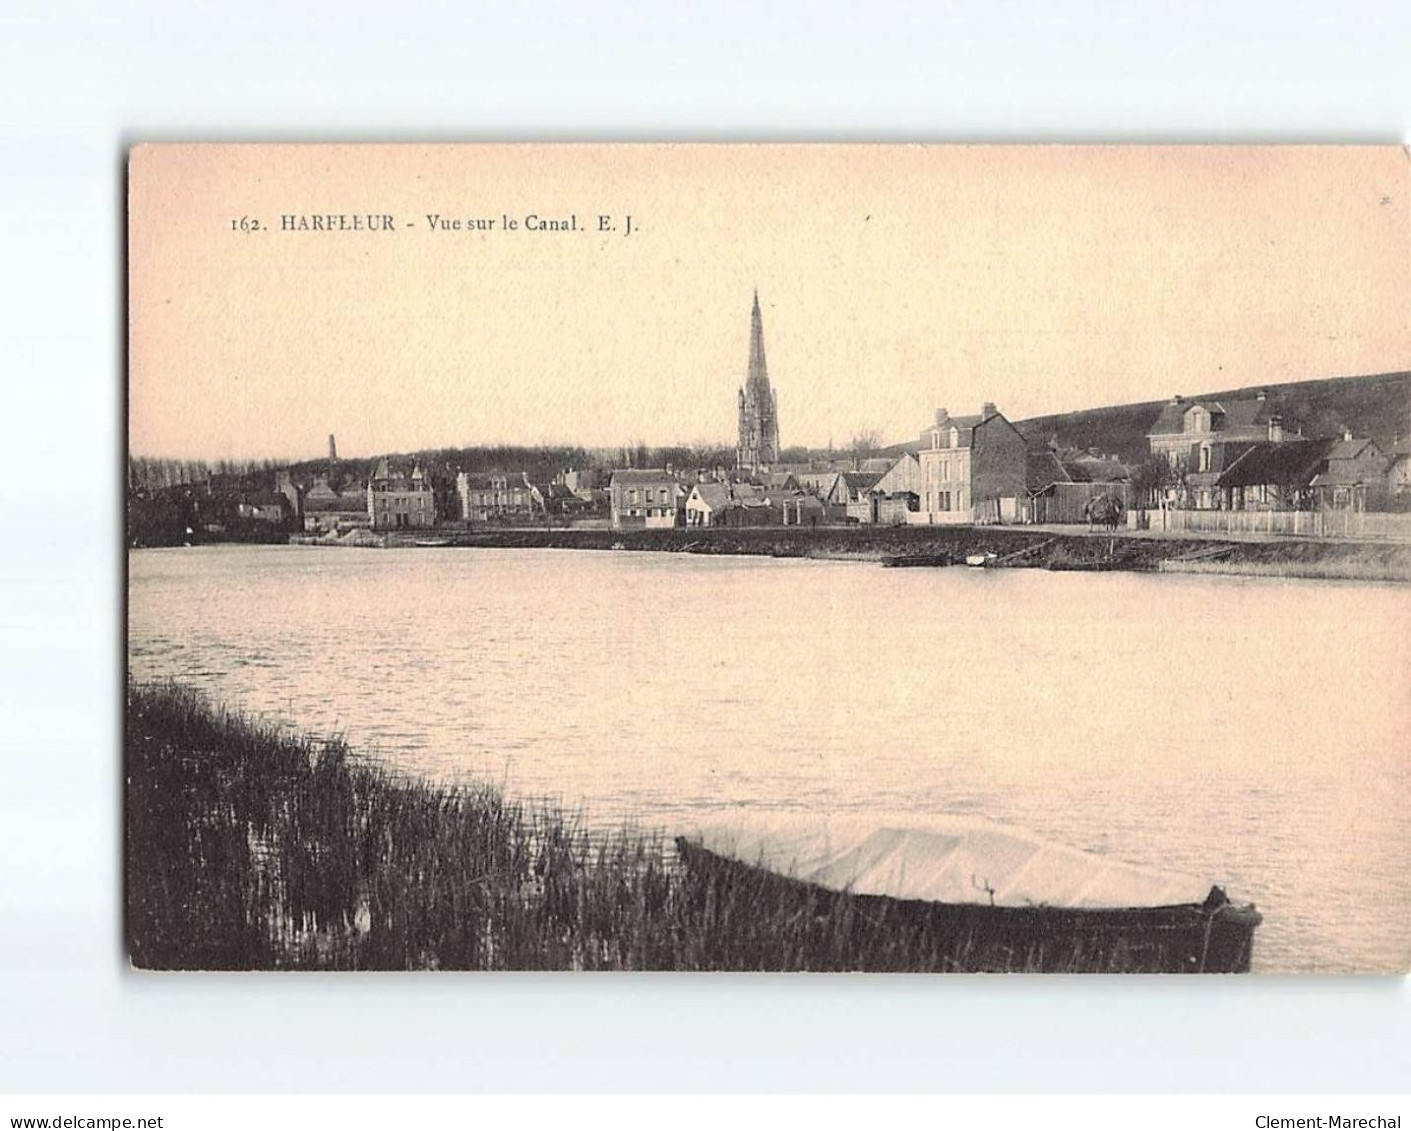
[[708, 503], [1265, 475], [820, 483], [1201, 440], [1353, 476], [973, 469], [327, 511], [582, 481], [262, 506], [758, 447], [499, 497], [400, 495], [776, 481], [646, 498], [894, 496], [1399, 469], [849, 487]]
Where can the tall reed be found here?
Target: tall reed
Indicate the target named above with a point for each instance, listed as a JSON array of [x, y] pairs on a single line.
[[250, 847]]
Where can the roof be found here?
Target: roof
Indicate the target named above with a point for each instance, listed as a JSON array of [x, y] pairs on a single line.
[[1353, 449], [946, 859], [487, 480], [824, 481], [714, 495], [964, 425], [777, 479], [347, 502], [628, 476], [1248, 413], [860, 480], [1094, 469], [1351, 462], [1290, 463], [389, 469], [1043, 469]]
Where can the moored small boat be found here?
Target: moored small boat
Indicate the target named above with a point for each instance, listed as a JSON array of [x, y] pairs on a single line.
[[963, 894], [980, 560], [895, 561]]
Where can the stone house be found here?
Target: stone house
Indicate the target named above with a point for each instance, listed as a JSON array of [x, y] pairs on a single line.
[[646, 498], [973, 469], [499, 496], [399, 496]]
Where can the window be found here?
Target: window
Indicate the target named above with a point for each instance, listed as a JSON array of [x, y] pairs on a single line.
[[1204, 457]]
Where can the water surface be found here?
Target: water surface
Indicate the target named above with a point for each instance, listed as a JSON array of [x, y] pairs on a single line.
[[1244, 729]]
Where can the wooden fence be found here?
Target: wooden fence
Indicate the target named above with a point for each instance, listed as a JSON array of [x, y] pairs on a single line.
[[1302, 524]]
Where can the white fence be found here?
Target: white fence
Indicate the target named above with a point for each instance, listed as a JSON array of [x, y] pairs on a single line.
[[1305, 524]]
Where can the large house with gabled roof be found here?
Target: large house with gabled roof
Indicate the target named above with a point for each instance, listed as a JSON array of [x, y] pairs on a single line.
[[973, 468], [399, 495], [1202, 439]]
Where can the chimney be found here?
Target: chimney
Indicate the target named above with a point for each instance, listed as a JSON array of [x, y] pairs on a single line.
[[1276, 428], [942, 417], [1178, 399], [332, 449], [1262, 396], [1347, 433], [988, 410]]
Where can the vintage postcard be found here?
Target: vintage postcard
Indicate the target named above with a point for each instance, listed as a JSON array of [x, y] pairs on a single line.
[[769, 558]]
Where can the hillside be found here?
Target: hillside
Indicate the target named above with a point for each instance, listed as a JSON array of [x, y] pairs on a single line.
[[1377, 405]]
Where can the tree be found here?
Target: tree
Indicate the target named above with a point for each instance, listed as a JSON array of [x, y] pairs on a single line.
[[866, 443], [1151, 478]]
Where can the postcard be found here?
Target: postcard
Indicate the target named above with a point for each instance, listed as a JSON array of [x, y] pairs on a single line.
[[768, 558]]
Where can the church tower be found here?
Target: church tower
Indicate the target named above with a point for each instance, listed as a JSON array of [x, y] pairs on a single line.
[[758, 408]]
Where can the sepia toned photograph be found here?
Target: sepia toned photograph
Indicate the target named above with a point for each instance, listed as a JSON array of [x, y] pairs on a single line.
[[768, 558]]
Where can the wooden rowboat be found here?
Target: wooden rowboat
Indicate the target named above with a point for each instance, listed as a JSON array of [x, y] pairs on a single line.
[[963, 894], [895, 561]]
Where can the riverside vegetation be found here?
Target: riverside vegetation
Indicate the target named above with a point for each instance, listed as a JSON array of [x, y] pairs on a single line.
[[251, 847], [1014, 547]]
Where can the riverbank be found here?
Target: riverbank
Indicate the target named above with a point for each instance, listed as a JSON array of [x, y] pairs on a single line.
[[251, 847], [1011, 547]]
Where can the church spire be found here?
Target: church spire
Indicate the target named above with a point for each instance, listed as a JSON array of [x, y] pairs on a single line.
[[758, 407], [759, 373]]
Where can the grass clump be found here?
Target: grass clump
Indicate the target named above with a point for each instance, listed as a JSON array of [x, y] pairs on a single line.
[[249, 847]]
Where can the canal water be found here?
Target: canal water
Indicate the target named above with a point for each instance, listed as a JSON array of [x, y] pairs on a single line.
[[1248, 730]]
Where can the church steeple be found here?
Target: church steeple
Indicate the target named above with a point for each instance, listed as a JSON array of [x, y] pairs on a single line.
[[759, 372], [758, 408]]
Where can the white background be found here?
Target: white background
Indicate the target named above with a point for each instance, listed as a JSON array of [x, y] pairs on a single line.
[[78, 82]]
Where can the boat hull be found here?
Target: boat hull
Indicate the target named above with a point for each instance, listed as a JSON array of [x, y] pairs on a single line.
[[901, 561], [917, 935]]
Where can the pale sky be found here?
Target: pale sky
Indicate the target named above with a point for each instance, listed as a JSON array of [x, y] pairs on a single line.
[[892, 280]]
